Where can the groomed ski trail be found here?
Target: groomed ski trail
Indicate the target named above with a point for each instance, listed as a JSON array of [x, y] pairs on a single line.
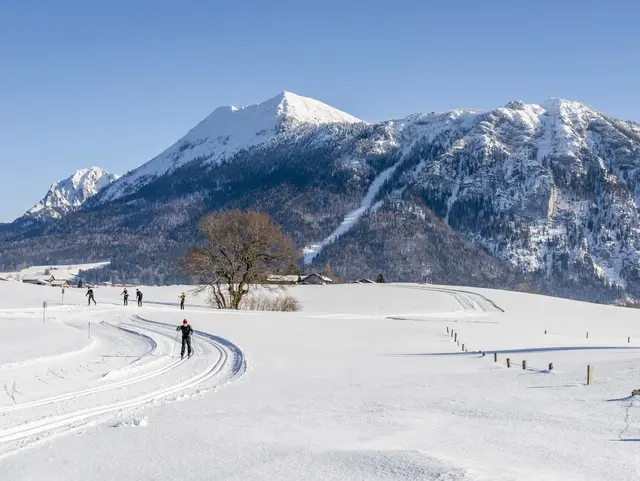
[[229, 364], [470, 302]]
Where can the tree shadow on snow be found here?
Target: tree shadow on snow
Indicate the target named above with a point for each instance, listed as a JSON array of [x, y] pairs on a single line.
[[622, 399]]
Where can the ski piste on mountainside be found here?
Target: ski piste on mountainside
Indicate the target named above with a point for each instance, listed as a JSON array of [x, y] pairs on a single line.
[[546, 193]]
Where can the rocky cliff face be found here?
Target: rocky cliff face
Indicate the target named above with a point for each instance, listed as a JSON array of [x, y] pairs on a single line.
[[541, 187], [70, 194]]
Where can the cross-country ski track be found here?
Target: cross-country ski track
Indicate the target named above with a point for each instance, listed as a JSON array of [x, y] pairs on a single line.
[[470, 303], [152, 377]]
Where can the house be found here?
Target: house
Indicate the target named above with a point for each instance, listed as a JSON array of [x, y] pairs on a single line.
[[365, 281], [38, 280], [316, 278], [277, 279], [59, 283]]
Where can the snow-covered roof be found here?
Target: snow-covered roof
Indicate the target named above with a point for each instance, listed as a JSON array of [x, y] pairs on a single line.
[[286, 278], [315, 274], [37, 279]]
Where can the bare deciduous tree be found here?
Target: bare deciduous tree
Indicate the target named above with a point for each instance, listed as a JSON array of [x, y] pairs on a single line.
[[239, 249]]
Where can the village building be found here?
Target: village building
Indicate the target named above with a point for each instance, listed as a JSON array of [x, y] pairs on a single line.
[[316, 279]]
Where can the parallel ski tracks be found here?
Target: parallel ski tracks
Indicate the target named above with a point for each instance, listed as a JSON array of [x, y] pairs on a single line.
[[468, 300], [98, 389], [229, 357]]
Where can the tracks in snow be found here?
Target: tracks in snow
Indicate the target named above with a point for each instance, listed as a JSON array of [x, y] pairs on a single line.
[[468, 300], [219, 361]]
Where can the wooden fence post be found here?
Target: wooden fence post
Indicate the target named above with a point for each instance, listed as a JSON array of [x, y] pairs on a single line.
[[455, 337], [589, 375], [447, 329], [587, 334], [495, 357], [463, 347], [550, 366], [89, 329], [508, 362], [629, 340], [524, 364], [545, 331]]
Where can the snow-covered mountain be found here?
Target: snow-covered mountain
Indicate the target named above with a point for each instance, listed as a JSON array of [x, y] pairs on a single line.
[[70, 194], [229, 129], [548, 188], [544, 194]]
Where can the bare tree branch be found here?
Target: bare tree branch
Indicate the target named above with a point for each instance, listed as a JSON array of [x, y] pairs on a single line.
[[240, 249]]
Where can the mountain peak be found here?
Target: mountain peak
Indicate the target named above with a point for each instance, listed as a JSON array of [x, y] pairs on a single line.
[[229, 129], [556, 103], [290, 106], [69, 194]]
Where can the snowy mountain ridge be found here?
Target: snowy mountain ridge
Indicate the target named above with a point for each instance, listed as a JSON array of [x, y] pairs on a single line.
[[229, 129], [545, 194], [556, 183], [71, 193]]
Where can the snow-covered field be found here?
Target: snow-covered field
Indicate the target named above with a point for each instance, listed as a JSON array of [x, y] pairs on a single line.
[[364, 383], [63, 272]]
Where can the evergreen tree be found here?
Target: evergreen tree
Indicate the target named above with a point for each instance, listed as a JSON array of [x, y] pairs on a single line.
[[380, 279]]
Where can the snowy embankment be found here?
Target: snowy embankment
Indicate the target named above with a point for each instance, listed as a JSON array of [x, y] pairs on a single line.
[[364, 383]]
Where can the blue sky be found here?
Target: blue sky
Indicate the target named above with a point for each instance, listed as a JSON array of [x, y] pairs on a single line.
[[113, 83]]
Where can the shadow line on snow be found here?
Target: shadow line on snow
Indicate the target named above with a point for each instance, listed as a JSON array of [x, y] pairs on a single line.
[[516, 351], [622, 399], [124, 357], [554, 387]]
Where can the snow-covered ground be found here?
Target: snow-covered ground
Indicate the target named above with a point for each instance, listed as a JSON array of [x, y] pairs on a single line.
[[364, 383], [60, 272]]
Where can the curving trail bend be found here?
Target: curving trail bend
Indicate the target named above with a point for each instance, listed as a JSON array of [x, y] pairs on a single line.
[[155, 376]]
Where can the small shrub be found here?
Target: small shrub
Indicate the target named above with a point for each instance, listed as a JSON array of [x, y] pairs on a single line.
[[286, 304], [526, 288], [263, 302], [628, 302]]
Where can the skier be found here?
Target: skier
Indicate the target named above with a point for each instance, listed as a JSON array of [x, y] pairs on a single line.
[[89, 294], [182, 298], [186, 337], [139, 297], [125, 293]]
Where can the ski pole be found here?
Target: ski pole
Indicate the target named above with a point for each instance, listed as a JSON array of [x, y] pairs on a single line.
[[174, 345]]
